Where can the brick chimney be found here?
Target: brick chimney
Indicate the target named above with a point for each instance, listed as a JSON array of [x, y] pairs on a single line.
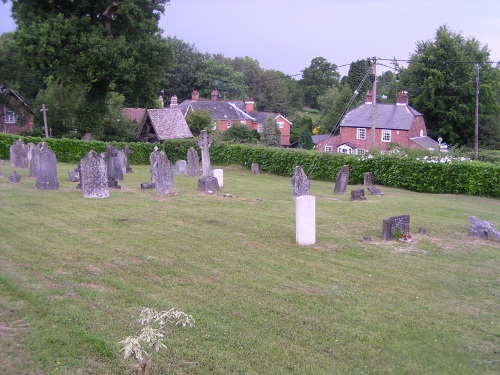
[[195, 95], [402, 98], [249, 105], [369, 97], [214, 95], [160, 99], [173, 101]]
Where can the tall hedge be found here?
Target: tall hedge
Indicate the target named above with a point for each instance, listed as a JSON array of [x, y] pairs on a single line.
[[406, 172]]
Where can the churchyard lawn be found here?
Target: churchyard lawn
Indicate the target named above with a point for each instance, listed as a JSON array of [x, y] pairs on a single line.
[[75, 273]]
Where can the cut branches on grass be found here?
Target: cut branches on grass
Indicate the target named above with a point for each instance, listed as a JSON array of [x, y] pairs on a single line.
[[75, 270]]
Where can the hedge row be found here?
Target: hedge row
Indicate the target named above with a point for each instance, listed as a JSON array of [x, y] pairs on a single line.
[[456, 177]]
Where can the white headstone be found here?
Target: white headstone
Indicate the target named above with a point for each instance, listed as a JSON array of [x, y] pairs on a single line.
[[219, 175], [305, 220]]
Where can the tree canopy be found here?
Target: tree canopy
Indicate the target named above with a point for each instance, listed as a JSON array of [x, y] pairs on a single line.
[[320, 76]]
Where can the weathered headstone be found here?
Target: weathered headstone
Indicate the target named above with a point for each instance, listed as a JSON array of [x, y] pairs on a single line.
[[358, 195], [374, 190], [193, 162], [207, 183], [219, 175], [341, 181], [153, 158], [483, 229], [14, 177], [122, 161], [30, 153], [300, 183], [94, 176], [180, 167], [127, 151], [45, 167], [74, 176], [395, 226], [164, 175], [114, 165], [305, 220], [368, 179], [18, 155], [255, 168]]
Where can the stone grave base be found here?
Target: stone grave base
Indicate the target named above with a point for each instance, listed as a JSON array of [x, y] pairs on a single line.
[[209, 185]]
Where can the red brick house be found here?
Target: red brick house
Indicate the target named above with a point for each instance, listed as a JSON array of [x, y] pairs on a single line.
[[226, 113], [16, 116], [394, 123]]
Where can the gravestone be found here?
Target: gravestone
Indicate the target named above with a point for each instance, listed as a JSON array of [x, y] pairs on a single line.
[[122, 161], [114, 165], [153, 158], [207, 183], [219, 175], [395, 226], [483, 229], [45, 167], [374, 190], [30, 152], [368, 179], [94, 176], [358, 195], [164, 175], [180, 167], [305, 220], [341, 181], [193, 162], [127, 152], [18, 155], [14, 177], [255, 168], [300, 183], [74, 176]]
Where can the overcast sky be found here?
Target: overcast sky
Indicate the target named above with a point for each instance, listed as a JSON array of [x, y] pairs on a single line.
[[286, 35]]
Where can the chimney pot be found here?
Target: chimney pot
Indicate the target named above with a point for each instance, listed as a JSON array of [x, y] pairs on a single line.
[[173, 101], [402, 98], [214, 95], [249, 105], [195, 95]]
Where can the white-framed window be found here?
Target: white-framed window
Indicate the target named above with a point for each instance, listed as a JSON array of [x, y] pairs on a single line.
[[328, 148], [9, 116], [386, 135], [361, 151], [281, 124], [260, 128], [344, 149], [229, 124], [361, 133]]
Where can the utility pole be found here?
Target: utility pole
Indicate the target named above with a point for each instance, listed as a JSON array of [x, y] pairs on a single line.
[[44, 111], [476, 126], [373, 78]]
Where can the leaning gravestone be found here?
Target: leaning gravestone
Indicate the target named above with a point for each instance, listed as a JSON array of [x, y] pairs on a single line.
[[114, 165], [341, 181], [374, 190], [94, 176], [164, 175], [483, 229], [14, 177], [395, 226], [180, 167], [18, 155], [193, 162], [300, 183], [207, 183], [358, 195], [255, 168], [45, 167]]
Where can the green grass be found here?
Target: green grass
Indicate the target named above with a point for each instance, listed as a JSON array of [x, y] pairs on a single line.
[[75, 273]]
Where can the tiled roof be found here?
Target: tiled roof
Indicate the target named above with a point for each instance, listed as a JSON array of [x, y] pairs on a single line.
[[320, 137], [168, 123], [387, 116], [134, 114], [220, 109], [426, 142]]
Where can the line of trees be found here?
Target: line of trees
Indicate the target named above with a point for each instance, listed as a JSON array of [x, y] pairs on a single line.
[[88, 60]]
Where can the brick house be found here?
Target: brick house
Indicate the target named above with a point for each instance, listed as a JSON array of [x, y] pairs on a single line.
[[16, 116], [226, 113], [394, 123]]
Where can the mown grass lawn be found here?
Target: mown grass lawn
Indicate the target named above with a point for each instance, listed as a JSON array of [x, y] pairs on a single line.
[[75, 273]]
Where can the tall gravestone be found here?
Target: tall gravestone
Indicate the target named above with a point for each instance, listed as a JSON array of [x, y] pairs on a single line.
[[193, 162], [122, 161], [114, 165], [305, 220], [180, 167], [164, 175], [127, 152], [94, 176], [341, 181], [18, 155], [207, 183], [30, 153], [300, 183], [45, 162]]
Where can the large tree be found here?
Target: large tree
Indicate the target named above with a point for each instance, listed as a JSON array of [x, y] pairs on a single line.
[[101, 44], [439, 79], [320, 76], [358, 79]]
